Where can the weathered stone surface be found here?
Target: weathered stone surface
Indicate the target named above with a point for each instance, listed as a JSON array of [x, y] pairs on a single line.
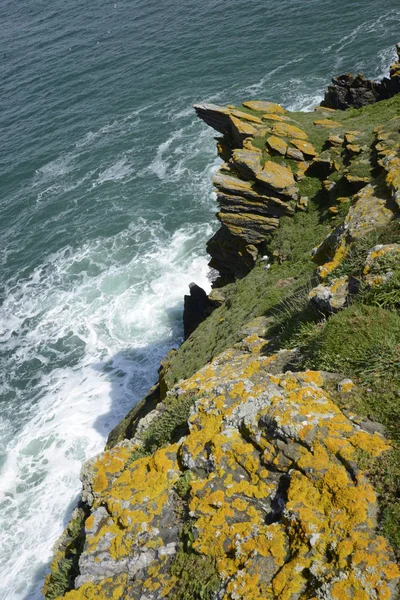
[[335, 140], [277, 178], [277, 144], [230, 255], [333, 297], [244, 116], [241, 130], [305, 147], [272, 117], [249, 226], [265, 107], [289, 131], [197, 307], [217, 117], [294, 154], [380, 264], [355, 91], [368, 212], [328, 123], [247, 162], [274, 495]]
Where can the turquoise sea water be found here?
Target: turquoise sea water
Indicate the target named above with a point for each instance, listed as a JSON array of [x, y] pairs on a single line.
[[106, 204]]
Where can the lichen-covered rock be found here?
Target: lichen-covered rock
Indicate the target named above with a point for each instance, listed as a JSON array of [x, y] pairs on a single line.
[[289, 131], [355, 91], [247, 162], [241, 130], [305, 147], [277, 144], [277, 178], [368, 212], [380, 264], [264, 106], [328, 123], [335, 296], [274, 497]]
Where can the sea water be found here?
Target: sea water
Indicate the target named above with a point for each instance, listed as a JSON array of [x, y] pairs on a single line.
[[106, 206]]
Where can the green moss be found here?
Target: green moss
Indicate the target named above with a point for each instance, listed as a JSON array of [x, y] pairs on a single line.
[[64, 568], [197, 575], [386, 295], [170, 426], [182, 486]]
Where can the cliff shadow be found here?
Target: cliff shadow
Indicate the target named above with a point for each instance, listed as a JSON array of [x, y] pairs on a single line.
[[130, 373]]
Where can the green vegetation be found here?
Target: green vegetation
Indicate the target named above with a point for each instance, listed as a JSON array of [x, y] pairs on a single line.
[[197, 575], [259, 293], [363, 342], [65, 564]]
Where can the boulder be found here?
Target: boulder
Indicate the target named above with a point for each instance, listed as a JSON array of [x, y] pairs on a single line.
[[247, 162], [305, 147], [277, 144], [217, 117], [331, 298], [289, 131], [354, 91]]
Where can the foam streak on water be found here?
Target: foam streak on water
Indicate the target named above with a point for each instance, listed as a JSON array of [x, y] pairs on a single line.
[[106, 204]]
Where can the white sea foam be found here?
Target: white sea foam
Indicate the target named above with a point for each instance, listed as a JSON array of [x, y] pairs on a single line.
[[117, 171], [119, 327]]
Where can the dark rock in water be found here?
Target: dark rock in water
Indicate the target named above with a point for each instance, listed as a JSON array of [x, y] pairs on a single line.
[[197, 307], [355, 91], [350, 90]]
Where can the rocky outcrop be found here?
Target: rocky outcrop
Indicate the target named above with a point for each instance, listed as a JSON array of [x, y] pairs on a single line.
[[267, 475], [355, 91], [254, 189], [245, 473]]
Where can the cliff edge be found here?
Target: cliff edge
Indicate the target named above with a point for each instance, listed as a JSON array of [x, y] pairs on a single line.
[[265, 463]]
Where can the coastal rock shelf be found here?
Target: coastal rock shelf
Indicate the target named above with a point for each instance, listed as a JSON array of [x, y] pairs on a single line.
[[265, 462]]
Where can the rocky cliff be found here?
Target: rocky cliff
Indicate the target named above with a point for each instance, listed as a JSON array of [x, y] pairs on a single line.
[[265, 463]]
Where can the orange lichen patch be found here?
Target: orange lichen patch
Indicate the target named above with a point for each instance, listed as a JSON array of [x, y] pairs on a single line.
[[108, 465], [239, 114], [276, 176], [265, 107], [277, 144], [243, 128], [331, 265], [328, 123], [372, 263], [109, 589], [373, 444], [247, 430], [313, 377], [290, 131], [272, 117], [301, 170], [306, 148]]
